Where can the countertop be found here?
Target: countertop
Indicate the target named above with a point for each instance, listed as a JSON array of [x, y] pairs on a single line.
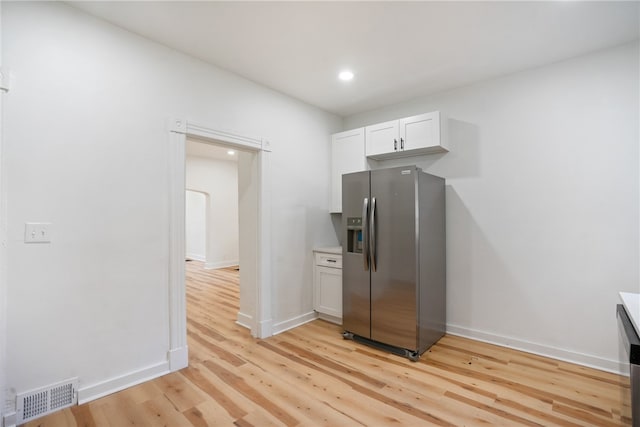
[[631, 304], [335, 250]]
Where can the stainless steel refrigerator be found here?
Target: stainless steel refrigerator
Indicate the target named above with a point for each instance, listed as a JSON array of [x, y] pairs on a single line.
[[394, 274]]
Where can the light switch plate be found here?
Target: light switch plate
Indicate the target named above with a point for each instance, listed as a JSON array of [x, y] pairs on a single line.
[[37, 232]]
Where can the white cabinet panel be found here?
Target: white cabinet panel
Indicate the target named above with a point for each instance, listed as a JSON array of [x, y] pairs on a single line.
[[329, 291], [420, 131], [327, 285], [411, 136], [382, 138], [347, 155]]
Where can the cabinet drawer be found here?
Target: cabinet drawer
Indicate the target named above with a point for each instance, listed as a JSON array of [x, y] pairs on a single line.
[[329, 260]]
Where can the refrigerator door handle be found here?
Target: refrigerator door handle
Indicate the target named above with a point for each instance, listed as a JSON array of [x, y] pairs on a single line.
[[372, 235], [365, 233]]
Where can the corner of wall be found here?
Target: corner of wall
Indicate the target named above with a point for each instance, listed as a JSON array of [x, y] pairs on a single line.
[[244, 320], [294, 322], [178, 358]]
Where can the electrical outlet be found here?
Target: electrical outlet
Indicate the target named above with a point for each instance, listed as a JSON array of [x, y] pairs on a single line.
[[37, 232]]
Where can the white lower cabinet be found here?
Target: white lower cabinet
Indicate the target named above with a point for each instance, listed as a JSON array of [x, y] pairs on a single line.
[[327, 286]]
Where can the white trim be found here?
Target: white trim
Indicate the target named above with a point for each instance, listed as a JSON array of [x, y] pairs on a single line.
[[226, 136], [294, 322], [329, 318], [10, 419], [244, 320], [177, 291], [4, 405], [103, 388], [220, 264], [587, 360], [178, 125], [263, 328], [179, 128], [178, 358], [263, 316], [195, 257]]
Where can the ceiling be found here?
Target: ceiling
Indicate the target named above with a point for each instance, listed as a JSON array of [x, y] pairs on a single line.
[[397, 50]]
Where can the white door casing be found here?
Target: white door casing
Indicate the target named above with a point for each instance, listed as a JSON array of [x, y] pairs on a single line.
[[259, 316]]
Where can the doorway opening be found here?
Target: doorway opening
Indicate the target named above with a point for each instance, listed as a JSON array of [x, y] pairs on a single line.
[[211, 204], [212, 279], [254, 239]]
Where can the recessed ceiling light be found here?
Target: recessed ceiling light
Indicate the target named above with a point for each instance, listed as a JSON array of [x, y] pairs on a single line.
[[345, 75], [231, 152]]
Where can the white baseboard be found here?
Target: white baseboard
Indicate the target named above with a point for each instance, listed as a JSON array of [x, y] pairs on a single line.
[[329, 318], [261, 330], [178, 358], [264, 329], [587, 360], [195, 257], [9, 420], [220, 264], [294, 322], [244, 320], [101, 389]]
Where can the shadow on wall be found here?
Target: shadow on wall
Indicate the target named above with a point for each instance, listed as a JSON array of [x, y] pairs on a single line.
[[461, 161], [464, 154]]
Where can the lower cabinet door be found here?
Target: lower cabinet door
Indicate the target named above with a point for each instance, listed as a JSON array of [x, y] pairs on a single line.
[[328, 291]]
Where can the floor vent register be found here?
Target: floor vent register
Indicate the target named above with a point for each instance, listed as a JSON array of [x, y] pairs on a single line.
[[46, 400]]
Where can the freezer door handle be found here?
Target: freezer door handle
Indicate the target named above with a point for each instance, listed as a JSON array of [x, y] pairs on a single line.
[[372, 235], [365, 233]]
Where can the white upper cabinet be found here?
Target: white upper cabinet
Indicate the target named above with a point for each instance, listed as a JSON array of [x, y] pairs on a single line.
[[381, 137], [347, 155], [411, 136]]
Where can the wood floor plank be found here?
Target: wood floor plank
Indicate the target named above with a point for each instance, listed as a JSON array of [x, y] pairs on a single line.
[[83, 416], [160, 412], [217, 395], [208, 414], [240, 385], [179, 391], [295, 398], [123, 412], [310, 376]]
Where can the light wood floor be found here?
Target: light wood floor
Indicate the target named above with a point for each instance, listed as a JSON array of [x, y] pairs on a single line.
[[310, 376]]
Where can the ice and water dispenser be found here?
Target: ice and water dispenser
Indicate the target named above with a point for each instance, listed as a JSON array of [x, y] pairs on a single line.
[[354, 235]]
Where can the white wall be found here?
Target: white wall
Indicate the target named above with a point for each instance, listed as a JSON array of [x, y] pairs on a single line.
[[542, 203], [195, 222], [85, 134], [219, 180]]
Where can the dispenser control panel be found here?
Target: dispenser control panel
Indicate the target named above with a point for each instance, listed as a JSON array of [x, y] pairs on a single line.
[[354, 235]]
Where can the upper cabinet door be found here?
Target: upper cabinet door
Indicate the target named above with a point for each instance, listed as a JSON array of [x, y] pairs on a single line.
[[411, 136], [382, 138], [422, 131], [347, 156]]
